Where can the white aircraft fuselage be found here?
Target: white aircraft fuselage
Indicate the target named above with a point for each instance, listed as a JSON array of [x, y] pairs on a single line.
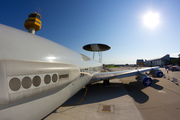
[[38, 75]]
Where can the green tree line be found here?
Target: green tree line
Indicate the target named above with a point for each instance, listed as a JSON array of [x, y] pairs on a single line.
[[176, 61]]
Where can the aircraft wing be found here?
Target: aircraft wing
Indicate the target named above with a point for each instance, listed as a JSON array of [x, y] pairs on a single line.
[[127, 73]]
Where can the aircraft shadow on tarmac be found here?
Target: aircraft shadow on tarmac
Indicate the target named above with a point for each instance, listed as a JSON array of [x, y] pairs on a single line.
[[135, 90], [99, 92]]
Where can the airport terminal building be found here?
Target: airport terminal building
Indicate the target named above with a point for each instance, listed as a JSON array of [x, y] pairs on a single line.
[[162, 61], [140, 62]]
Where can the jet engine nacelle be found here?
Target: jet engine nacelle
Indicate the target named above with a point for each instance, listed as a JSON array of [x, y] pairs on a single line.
[[156, 73], [146, 80]]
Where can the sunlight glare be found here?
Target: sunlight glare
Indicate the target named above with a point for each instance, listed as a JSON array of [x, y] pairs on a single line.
[[151, 20]]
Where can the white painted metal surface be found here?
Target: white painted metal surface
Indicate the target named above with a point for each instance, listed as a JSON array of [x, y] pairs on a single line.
[[21, 45], [24, 55], [38, 75], [31, 30]]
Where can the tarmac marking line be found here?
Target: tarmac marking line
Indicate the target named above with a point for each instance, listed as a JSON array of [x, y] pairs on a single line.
[[162, 91]]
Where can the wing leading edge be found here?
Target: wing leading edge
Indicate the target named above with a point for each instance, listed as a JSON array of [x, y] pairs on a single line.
[[154, 71]]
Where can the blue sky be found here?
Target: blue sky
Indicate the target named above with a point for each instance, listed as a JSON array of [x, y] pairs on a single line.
[[117, 23]]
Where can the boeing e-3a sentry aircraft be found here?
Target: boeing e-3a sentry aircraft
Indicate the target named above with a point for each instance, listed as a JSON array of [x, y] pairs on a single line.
[[38, 75]]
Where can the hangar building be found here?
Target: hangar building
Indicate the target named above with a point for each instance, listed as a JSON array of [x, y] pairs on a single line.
[[162, 61]]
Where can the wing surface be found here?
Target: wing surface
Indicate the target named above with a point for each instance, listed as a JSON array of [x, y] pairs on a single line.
[[119, 74]]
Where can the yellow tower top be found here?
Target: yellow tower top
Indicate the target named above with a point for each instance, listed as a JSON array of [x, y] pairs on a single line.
[[33, 23]]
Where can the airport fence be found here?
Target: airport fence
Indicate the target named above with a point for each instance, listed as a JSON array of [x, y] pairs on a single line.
[[172, 79]]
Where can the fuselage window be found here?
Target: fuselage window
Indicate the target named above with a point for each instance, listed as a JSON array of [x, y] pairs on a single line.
[[15, 84], [54, 78], [26, 82], [36, 81], [47, 79]]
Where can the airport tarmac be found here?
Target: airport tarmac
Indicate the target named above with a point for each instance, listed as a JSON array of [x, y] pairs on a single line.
[[114, 99], [124, 99]]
